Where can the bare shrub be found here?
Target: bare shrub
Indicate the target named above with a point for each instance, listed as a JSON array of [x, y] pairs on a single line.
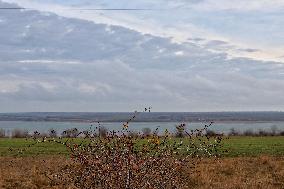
[[233, 132], [211, 133], [37, 134], [124, 161], [20, 133], [263, 133], [70, 133], [133, 134], [103, 131], [274, 130], [52, 133], [249, 132], [2, 133], [180, 130], [146, 131], [86, 134]]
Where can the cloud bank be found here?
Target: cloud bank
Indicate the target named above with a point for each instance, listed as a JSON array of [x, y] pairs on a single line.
[[54, 63]]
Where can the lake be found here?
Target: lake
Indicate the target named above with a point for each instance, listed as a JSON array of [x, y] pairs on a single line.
[[222, 127]]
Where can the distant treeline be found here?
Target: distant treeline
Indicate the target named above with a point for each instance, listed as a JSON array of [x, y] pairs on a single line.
[[274, 131], [145, 117], [103, 131]]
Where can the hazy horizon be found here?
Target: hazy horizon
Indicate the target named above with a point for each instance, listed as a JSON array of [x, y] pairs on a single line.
[[267, 111]]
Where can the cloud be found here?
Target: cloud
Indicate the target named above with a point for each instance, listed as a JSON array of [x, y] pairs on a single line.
[[249, 50], [230, 21], [64, 64], [241, 5]]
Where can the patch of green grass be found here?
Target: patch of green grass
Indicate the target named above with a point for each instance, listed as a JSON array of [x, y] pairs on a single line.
[[235, 146], [26, 147], [254, 146]]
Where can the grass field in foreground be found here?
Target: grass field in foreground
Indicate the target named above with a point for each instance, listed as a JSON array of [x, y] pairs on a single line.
[[225, 173], [236, 146]]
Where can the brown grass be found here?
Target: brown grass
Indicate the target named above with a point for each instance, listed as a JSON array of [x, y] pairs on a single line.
[[259, 172], [262, 172]]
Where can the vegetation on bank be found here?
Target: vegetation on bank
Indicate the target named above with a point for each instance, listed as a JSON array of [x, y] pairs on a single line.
[[76, 133]]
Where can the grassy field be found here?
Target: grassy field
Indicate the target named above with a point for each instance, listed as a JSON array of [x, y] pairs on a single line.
[[254, 146], [236, 147]]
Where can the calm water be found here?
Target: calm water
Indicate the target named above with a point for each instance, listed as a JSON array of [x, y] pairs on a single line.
[[222, 127]]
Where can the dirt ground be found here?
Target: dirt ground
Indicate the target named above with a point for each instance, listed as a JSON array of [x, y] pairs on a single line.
[[258, 172]]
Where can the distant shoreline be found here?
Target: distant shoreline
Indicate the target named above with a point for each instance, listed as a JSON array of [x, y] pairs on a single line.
[[217, 117]]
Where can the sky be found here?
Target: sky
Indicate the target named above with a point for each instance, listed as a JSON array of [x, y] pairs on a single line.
[[182, 55]]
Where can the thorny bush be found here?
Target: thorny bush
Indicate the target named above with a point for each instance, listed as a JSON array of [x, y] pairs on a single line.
[[118, 159]]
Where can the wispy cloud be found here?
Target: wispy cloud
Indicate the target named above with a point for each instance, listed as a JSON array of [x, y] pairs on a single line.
[[230, 21], [241, 5]]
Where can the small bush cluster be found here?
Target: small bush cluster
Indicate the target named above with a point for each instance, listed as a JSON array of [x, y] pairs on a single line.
[[20, 133], [146, 132], [70, 133], [2, 133], [23, 133], [274, 131], [180, 130]]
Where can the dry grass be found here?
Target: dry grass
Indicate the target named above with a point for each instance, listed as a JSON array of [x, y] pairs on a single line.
[[28, 172], [259, 172]]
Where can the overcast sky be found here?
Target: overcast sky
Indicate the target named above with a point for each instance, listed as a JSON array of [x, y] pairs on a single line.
[[183, 55]]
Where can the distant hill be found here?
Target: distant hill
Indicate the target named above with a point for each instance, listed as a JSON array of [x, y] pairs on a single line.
[[143, 117]]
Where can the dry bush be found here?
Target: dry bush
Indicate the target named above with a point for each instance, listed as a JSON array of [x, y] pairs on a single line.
[[234, 132], [249, 132], [52, 133], [123, 160], [2, 133], [20, 133], [36, 135], [180, 130], [70, 133], [146, 132], [102, 131]]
